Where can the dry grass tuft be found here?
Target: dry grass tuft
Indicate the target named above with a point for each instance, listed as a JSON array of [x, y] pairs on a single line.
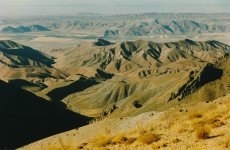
[[202, 132], [82, 145], [209, 94], [227, 143], [216, 123], [53, 148], [176, 140], [195, 115], [182, 130], [149, 138], [122, 139], [158, 145], [226, 117], [103, 140], [131, 140], [58, 147], [119, 139]]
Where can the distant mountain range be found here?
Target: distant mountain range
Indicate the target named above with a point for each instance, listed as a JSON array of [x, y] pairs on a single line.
[[22, 29], [144, 28], [131, 25]]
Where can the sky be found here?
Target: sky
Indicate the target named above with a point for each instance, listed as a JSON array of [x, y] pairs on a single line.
[[71, 7]]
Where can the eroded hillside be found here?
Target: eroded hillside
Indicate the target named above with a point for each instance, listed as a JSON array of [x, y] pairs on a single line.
[[147, 75]]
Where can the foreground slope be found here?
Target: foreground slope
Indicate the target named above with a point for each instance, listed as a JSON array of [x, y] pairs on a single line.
[[26, 118], [188, 126]]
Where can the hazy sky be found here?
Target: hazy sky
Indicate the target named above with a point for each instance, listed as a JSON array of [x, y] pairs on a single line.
[[65, 7]]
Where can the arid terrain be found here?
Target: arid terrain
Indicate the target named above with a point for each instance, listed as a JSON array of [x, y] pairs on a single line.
[[137, 81]]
